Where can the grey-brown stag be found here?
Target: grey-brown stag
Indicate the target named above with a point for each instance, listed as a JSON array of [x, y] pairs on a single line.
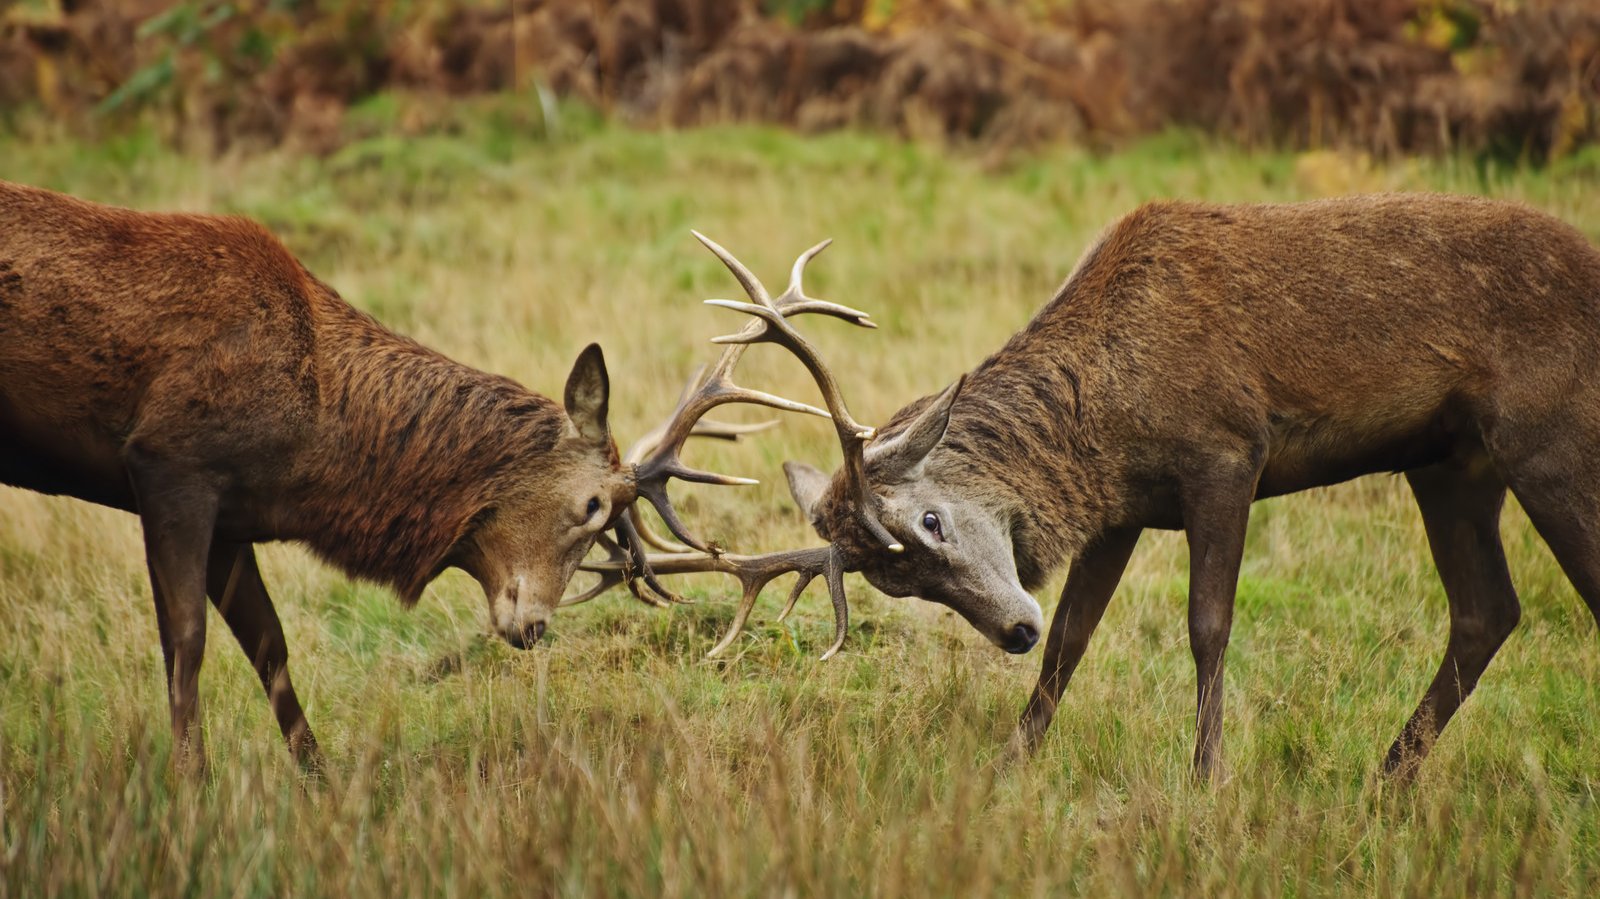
[[1201, 357]]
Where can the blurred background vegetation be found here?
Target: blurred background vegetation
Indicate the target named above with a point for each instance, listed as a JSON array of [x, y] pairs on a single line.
[[1514, 80]]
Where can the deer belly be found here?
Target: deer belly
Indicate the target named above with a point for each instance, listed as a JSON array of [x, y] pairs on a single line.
[[52, 446], [1329, 452], [64, 467]]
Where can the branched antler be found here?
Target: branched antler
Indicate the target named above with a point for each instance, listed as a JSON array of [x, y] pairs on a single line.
[[622, 567], [754, 574], [772, 326], [651, 442], [716, 386], [656, 461]]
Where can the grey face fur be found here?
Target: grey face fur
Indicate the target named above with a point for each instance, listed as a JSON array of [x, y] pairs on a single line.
[[958, 549]]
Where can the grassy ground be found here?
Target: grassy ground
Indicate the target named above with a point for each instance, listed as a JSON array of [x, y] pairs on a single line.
[[613, 760]]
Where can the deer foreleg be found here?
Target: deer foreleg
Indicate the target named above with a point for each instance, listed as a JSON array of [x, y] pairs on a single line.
[[177, 516], [1091, 581], [234, 581], [1216, 513]]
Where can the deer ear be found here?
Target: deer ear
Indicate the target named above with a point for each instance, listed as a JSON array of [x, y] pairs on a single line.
[[899, 459], [589, 395], [806, 485]]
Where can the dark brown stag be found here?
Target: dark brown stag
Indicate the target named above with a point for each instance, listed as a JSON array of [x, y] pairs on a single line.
[[188, 369], [1201, 357]]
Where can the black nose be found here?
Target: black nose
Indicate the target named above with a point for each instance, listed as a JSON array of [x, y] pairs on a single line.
[[1021, 638], [525, 638]]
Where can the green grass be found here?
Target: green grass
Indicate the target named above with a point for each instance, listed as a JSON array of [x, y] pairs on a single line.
[[614, 760]]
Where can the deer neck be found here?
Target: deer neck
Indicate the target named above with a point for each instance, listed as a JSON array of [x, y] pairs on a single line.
[[409, 448], [1024, 433]]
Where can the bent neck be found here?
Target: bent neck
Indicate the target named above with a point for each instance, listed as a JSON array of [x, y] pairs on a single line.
[[410, 448], [1022, 435]]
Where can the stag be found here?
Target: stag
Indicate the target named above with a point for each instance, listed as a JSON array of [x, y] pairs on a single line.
[[188, 369], [1201, 357]]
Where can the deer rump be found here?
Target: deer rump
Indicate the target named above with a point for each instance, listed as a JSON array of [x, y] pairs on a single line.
[[1202, 356]]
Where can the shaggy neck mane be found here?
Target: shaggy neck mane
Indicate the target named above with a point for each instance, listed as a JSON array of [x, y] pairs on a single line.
[[1022, 433], [412, 448]]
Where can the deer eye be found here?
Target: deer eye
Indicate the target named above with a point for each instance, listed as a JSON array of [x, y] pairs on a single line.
[[930, 523], [594, 506]]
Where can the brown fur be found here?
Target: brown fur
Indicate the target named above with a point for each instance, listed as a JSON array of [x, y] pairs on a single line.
[[1203, 356], [188, 369]]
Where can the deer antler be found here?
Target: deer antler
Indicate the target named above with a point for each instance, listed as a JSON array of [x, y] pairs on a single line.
[[621, 568], [716, 388], [772, 326], [754, 574], [656, 461], [651, 442]]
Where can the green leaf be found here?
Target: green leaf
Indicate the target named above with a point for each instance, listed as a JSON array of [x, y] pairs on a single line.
[[178, 18], [140, 85]]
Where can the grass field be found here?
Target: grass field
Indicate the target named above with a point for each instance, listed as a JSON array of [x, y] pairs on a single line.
[[614, 760]]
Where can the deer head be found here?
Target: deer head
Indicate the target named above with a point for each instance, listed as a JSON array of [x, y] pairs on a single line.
[[527, 543], [956, 535]]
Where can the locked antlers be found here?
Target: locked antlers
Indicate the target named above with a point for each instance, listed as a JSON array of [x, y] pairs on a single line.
[[656, 461]]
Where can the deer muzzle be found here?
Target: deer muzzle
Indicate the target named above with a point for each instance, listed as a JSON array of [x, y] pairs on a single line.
[[519, 617]]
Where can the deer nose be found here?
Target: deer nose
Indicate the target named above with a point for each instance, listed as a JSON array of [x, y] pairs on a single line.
[[1021, 638], [527, 636]]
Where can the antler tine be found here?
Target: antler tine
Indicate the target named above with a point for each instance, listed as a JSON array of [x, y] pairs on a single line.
[[716, 387], [610, 576], [747, 279], [754, 574], [795, 291], [662, 462], [651, 536], [715, 430], [793, 300], [626, 563], [644, 446], [853, 435]]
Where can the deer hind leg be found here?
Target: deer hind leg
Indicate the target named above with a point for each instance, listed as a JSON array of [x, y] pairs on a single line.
[[1216, 514], [1090, 582], [234, 581], [1460, 503], [177, 515], [163, 625], [1560, 490]]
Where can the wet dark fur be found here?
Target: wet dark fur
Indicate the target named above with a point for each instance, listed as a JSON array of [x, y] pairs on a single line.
[[125, 332]]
